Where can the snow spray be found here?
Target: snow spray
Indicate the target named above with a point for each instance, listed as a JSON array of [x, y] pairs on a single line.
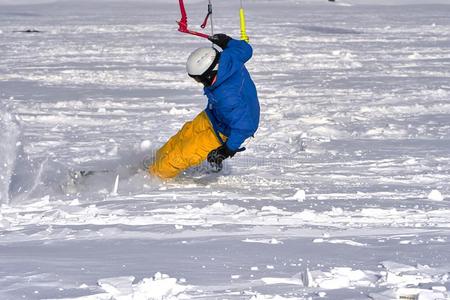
[[9, 139]]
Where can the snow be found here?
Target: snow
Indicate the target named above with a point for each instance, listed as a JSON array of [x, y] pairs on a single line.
[[435, 195], [342, 194], [160, 286], [10, 135], [299, 195]]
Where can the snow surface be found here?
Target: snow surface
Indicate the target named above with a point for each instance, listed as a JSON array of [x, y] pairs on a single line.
[[342, 194]]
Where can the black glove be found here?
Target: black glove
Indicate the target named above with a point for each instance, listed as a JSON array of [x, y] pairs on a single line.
[[220, 40], [218, 155]]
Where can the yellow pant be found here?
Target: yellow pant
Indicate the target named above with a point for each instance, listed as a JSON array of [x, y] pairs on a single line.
[[189, 147]]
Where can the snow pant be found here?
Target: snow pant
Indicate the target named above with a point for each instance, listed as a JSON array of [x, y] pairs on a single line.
[[189, 147]]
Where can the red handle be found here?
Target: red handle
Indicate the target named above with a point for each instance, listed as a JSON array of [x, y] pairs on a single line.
[[183, 25], [205, 22], [183, 28]]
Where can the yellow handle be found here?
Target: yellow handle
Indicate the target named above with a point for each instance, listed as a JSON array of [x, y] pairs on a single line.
[[244, 35]]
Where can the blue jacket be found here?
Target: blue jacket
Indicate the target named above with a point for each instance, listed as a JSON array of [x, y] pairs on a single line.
[[233, 106]]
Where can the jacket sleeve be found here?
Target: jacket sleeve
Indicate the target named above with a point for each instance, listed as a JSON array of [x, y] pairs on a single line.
[[233, 107], [240, 50]]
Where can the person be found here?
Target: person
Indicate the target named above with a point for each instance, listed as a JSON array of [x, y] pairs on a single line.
[[231, 115]]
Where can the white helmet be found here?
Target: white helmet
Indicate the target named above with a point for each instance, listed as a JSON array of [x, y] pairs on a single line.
[[202, 65]]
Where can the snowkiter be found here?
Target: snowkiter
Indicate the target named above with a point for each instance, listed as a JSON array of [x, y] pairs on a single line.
[[231, 116]]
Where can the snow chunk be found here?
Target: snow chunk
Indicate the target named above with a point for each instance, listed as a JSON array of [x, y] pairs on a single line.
[[271, 241], [334, 283], [269, 297], [160, 286], [300, 196], [338, 278], [329, 132], [4, 224], [415, 55], [145, 145], [117, 286], [338, 241], [9, 135], [397, 267], [175, 111], [281, 280], [410, 293], [401, 275], [435, 195], [75, 202]]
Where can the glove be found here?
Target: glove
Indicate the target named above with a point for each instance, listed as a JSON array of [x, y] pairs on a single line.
[[220, 40], [218, 155]]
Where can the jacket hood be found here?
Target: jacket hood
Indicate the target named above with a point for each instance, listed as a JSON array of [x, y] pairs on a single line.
[[227, 67]]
